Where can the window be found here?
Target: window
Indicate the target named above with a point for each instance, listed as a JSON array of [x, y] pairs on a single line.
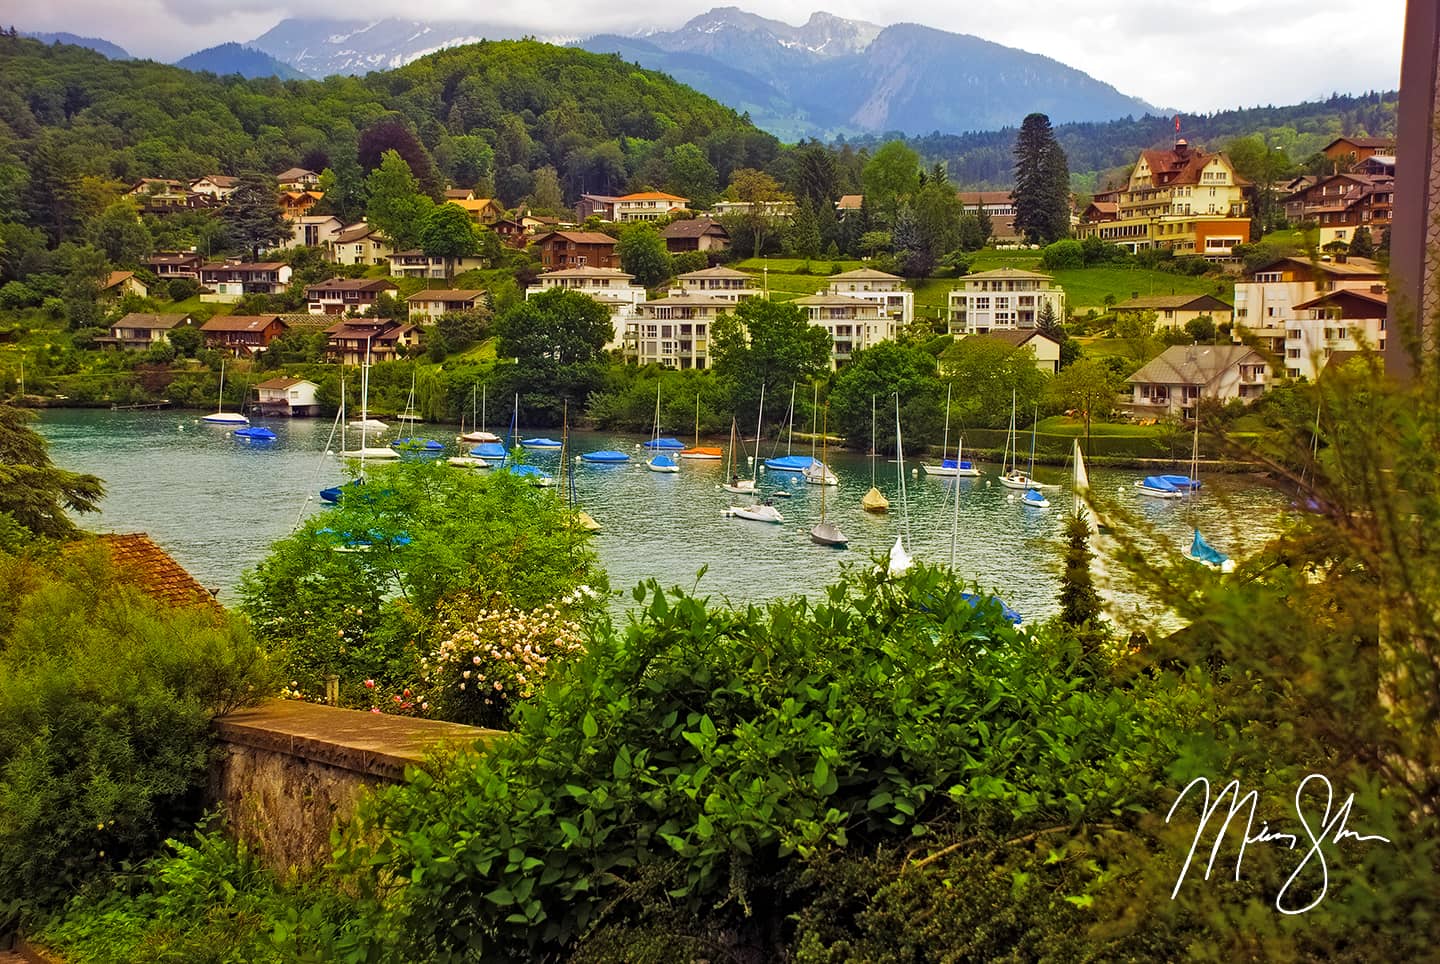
[[983, 303]]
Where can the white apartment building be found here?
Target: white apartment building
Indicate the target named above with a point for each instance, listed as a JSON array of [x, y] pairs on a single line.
[[1003, 299], [717, 282], [1265, 303], [609, 286], [886, 290], [853, 324], [1343, 320], [675, 331]]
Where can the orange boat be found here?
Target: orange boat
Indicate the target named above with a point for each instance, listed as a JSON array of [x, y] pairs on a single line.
[[698, 451]]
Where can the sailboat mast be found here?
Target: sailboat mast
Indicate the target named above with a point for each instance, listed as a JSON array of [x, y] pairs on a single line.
[[759, 418], [945, 445], [697, 420], [220, 402], [872, 441], [1034, 426], [900, 473], [790, 436], [823, 427], [482, 407], [814, 416]]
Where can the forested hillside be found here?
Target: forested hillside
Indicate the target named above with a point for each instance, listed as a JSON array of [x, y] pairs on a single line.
[[500, 111]]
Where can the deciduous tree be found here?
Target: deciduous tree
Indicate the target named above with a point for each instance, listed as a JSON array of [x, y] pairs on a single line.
[[447, 232], [642, 253], [395, 204], [765, 343]]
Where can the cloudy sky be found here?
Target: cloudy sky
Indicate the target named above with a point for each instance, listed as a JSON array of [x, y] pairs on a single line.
[[1189, 55]]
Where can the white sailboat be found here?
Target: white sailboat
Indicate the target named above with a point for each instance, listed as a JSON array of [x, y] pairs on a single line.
[[951, 468], [817, 472], [364, 423], [734, 482], [825, 532], [874, 500], [756, 511], [1033, 497], [220, 416], [660, 462], [477, 434], [1010, 474]]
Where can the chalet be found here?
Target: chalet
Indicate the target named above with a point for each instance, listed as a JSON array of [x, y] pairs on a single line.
[[360, 244], [577, 249], [511, 231], [357, 340], [297, 179], [647, 206], [346, 296], [242, 335], [609, 286], [1350, 150], [156, 185], [229, 280], [1265, 302], [1176, 311], [482, 210], [139, 330], [293, 397], [432, 304], [217, 186], [1342, 203], [999, 207], [1045, 349], [853, 324], [155, 195], [717, 282], [295, 204], [119, 283], [887, 290], [313, 231], [538, 223], [1003, 299], [695, 234], [167, 265], [600, 206], [1341, 321], [417, 264], [459, 194], [1173, 382]]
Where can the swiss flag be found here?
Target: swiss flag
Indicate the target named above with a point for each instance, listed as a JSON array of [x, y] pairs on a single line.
[[1177, 123]]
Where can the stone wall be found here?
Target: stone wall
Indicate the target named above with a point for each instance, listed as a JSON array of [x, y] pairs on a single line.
[[288, 770]]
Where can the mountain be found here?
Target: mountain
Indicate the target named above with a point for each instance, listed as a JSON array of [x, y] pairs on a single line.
[[233, 58], [93, 43], [837, 76], [321, 48]]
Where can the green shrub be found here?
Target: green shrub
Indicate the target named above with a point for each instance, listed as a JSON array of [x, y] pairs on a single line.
[[106, 698], [182, 289], [1067, 253]]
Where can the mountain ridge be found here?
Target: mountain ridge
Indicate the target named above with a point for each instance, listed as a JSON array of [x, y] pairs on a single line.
[[233, 58]]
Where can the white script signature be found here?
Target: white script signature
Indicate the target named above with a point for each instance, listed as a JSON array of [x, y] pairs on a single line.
[[1330, 829]]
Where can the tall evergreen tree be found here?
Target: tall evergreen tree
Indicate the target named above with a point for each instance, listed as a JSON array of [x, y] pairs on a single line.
[[252, 215], [1362, 245], [802, 236], [1042, 183]]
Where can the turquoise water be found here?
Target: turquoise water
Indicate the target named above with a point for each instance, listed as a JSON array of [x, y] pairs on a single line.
[[216, 503]]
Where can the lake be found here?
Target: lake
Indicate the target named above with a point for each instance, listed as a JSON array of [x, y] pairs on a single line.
[[217, 503]]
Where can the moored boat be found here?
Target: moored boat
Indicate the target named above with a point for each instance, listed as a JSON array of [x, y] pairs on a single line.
[[220, 416], [1157, 487], [759, 512], [255, 433], [605, 457], [539, 443]]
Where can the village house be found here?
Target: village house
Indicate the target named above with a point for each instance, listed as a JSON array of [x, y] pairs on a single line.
[[117, 284], [1003, 299], [242, 335], [1344, 320], [140, 330], [297, 179], [342, 296], [168, 265], [640, 206], [355, 341], [297, 204], [313, 231], [511, 232], [675, 331], [229, 280], [852, 323], [577, 249], [417, 264], [360, 244], [999, 207], [1185, 200], [1346, 151], [1173, 382], [781, 209], [217, 186], [1176, 311], [887, 290], [538, 223], [1046, 350], [291, 397], [429, 305], [1265, 302], [849, 203], [609, 286], [717, 282], [482, 210], [459, 194], [1341, 203], [695, 234]]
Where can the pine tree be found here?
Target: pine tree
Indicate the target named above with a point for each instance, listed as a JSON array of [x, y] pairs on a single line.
[[252, 215], [1361, 245], [1079, 600], [803, 234], [1042, 183]]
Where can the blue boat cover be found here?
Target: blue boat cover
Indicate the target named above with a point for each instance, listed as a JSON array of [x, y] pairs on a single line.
[[488, 450], [665, 443], [975, 602], [257, 433], [952, 464], [366, 540], [607, 456], [664, 460], [1202, 550], [790, 463], [1033, 496], [540, 443], [1160, 483], [527, 471], [1181, 481], [332, 494]]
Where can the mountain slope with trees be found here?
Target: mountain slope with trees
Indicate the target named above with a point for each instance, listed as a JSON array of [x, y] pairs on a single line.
[[233, 58]]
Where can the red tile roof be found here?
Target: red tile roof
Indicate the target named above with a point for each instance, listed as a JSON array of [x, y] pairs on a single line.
[[150, 569], [240, 322]]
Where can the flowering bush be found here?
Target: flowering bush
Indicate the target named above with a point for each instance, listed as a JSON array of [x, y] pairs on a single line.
[[491, 655]]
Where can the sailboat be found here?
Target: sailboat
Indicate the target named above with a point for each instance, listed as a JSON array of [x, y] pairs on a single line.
[[476, 435], [950, 468], [473, 459], [788, 462], [900, 560], [1033, 497], [817, 472], [733, 481], [659, 462], [409, 443], [1012, 477], [874, 500], [220, 416], [579, 519], [367, 451], [826, 533], [709, 453], [1201, 551], [534, 473], [756, 511]]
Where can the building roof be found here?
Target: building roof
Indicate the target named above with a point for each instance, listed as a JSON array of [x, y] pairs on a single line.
[[219, 180], [1364, 300], [1174, 303], [578, 237], [1377, 143], [251, 266], [1194, 364], [458, 194], [865, 274], [280, 383], [1018, 337], [446, 294], [116, 278], [693, 299], [294, 173], [1183, 165], [155, 322], [984, 197], [240, 322], [693, 228], [352, 284], [358, 232], [719, 272], [652, 196], [1007, 274], [1349, 268], [174, 257], [150, 569], [850, 202], [587, 272], [476, 203], [837, 301]]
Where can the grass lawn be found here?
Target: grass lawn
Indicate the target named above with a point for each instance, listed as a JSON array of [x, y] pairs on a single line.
[[1075, 428], [484, 351], [1087, 287], [193, 304]]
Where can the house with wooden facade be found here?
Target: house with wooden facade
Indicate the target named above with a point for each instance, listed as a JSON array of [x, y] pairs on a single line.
[[577, 249], [695, 234], [291, 397], [346, 296], [356, 340], [228, 281], [139, 330], [242, 335]]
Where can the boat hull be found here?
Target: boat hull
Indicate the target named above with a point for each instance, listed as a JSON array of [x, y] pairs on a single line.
[[703, 453], [756, 513], [1227, 566], [875, 501], [829, 534], [1155, 493], [226, 418], [950, 472], [743, 487], [1017, 481], [467, 462], [370, 453], [473, 438]]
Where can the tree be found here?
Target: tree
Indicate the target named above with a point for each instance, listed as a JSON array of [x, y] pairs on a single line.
[[802, 236], [1042, 183], [881, 372], [689, 173], [545, 193], [119, 232], [1201, 328], [447, 232], [938, 220], [1361, 244], [252, 215], [765, 343], [756, 189], [34, 493], [53, 192], [393, 134], [642, 253], [983, 372], [890, 176], [1137, 330], [85, 270], [1079, 600], [916, 259], [1087, 387], [395, 206], [1066, 253], [814, 176], [557, 338]]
